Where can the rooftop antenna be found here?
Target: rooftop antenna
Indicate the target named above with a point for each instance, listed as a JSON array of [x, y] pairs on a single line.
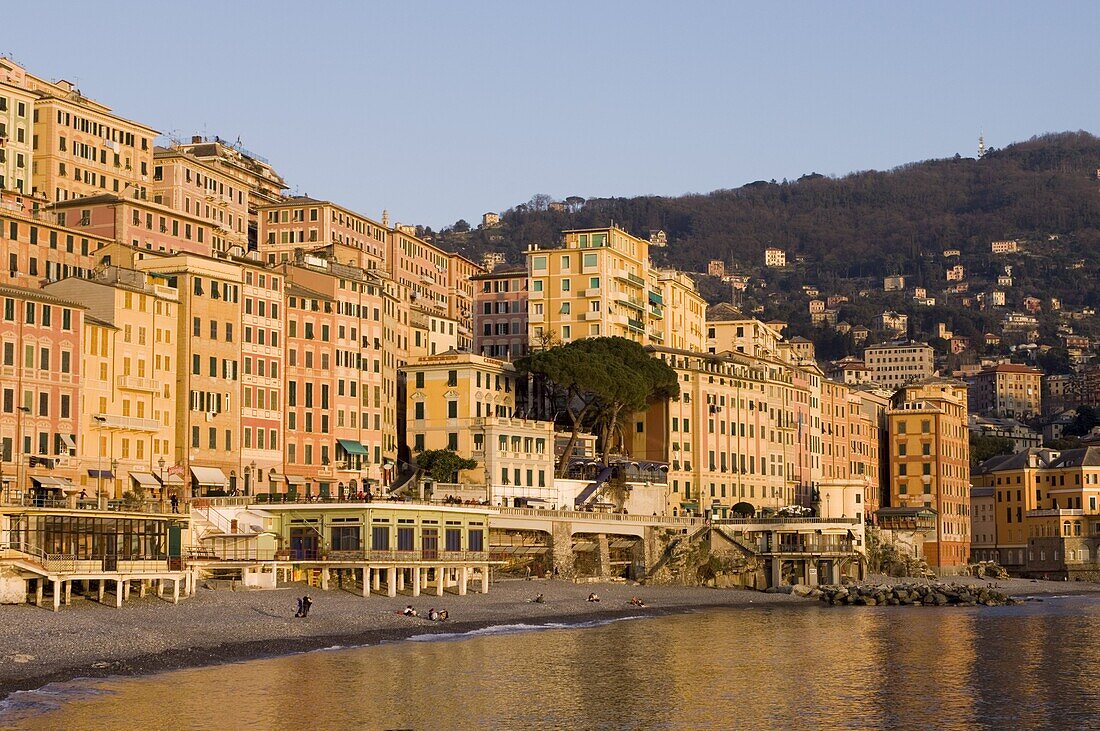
[[981, 145]]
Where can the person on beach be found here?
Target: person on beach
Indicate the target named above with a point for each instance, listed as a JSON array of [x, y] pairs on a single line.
[[409, 611], [433, 615], [300, 603], [443, 615], [537, 600], [306, 604], [527, 573], [593, 598], [636, 602]]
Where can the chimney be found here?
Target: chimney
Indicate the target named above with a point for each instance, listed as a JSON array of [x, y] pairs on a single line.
[[196, 139]]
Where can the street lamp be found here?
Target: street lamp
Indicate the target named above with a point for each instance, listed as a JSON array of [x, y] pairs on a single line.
[[160, 464], [114, 470], [249, 486]]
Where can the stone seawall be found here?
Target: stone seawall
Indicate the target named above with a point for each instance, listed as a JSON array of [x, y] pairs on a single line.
[[927, 595]]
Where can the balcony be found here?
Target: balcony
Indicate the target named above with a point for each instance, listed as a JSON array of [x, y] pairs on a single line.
[[137, 383], [593, 315], [635, 325], [656, 312], [629, 301], [127, 423], [632, 278]]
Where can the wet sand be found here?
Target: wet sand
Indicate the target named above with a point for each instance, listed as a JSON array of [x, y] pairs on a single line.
[[38, 646]]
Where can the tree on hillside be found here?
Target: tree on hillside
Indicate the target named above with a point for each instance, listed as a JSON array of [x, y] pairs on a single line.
[[982, 447], [601, 381]]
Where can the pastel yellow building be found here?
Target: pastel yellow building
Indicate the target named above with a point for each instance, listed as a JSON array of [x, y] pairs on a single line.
[[130, 366], [601, 283]]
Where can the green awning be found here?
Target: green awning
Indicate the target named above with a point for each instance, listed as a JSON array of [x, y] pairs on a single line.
[[656, 299], [352, 447]]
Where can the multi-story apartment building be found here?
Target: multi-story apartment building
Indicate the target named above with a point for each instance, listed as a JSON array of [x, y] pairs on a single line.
[[37, 247], [80, 147], [599, 283], [434, 278], [731, 436], [300, 223], [897, 363], [128, 400], [40, 380], [16, 129], [263, 185], [929, 456], [138, 223], [774, 258], [208, 353], [197, 188], [466, 403], [676, 311], [308, 440], [1016, 481], [433, 332], [460, 289], [262, 371], [983, 524], [500, 314], [1006, 390], [728, 330]]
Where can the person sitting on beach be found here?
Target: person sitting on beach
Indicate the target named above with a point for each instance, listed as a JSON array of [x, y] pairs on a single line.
[[433, 615], [636, 602], [306, 604], [593, 598], [301, 601], [537, 600], [443, 615], [409, 611]]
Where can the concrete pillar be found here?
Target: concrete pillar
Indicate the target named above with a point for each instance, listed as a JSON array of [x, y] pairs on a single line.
[[603, 556], [485, 579], [68, 593], [324, 578], [126, 591], [118, 593], [424, 580], [391, 581], [776, 572], [176, 591], [366, 582], [141, 588], [416, 580], [160, 588], [440, 580], [102, 589], [377, 579], [57, 590], [561, 549], [463, 578], [38, 585], [401, 579]]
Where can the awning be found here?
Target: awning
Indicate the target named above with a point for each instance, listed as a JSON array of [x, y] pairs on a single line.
[[656, 299], [209, 476], [145, 480], [352, 447], [533, 500], [68, 441], [173, 480], [98, 474], [276, 477], [295, 480], [66, 485], [47, 482]]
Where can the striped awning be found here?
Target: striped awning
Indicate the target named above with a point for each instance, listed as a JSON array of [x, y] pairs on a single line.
[[146, 480]]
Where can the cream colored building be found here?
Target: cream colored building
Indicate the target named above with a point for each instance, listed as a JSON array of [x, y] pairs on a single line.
[[129, 389], [728, 330], [16, 129], [897, 363]]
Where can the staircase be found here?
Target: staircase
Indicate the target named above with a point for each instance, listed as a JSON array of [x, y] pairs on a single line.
[[402, 479], [589, 492]]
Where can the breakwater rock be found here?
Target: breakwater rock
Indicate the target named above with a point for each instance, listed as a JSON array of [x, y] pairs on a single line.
[[926, 595]]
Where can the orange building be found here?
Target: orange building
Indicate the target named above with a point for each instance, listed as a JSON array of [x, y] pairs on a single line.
[[930, 463]]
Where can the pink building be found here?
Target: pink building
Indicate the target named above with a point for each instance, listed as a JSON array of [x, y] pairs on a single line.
[[138, 223], [39, 390], [36, 249], [500, 314], [184, 183], [262, 380]]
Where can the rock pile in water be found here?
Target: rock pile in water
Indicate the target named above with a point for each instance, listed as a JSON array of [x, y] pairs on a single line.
[[928, 595]]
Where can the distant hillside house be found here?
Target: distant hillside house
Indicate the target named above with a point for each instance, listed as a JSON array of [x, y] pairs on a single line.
[[897, 363], [488, 220], [948, 253], [716, 268], [956, 273], [1010, 246], [775, 258], [891, 321], [658, 238], [893, 283]]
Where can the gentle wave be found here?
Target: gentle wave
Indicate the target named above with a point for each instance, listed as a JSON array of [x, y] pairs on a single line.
[[511, 629], [25, 703]]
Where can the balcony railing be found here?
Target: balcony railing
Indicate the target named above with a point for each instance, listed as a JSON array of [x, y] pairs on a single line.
[[129, 423], [137, 383]]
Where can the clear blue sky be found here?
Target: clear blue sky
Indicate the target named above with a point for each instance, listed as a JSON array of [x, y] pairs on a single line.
[[444, 110]]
